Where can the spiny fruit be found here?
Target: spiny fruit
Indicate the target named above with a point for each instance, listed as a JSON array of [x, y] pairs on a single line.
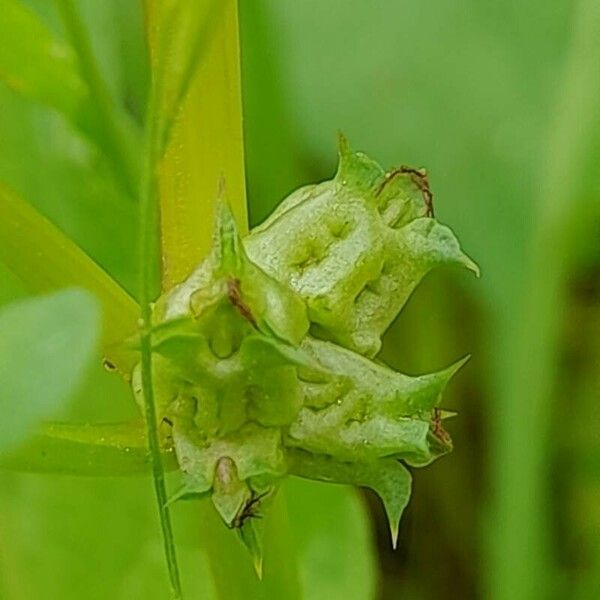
[[262, 357], [355, 247]]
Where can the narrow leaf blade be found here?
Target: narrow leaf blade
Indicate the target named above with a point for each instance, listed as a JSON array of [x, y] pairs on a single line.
[[113, 449], [36, 64], [45, 259]]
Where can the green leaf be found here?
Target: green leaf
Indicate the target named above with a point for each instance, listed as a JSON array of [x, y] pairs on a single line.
[[36, 64], [111, 449], [46, 346]]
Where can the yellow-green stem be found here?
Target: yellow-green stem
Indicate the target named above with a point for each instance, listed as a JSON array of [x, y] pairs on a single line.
[[206, 146]]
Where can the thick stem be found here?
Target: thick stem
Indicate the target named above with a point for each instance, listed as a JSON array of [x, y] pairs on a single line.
[[206, 145]]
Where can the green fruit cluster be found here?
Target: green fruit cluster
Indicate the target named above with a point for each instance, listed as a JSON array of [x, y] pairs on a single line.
[[263, 356]]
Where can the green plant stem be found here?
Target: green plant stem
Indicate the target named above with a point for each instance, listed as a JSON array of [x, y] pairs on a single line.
[[149, 254], [206, 141], [113, 129]]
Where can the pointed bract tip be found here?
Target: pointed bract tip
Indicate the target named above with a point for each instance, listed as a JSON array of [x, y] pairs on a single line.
[[221, 188], [457, 366], [394, 489], [258, 566], [343, 145], [394, 532], [445, 375], [357, 171], [180, 494], [472, 266], [224, 218], [226, 237], [448, 414], [251, 538]]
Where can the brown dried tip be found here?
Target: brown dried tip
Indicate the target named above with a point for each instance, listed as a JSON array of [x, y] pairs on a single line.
[[438, 429], [418, 177], [235, 297]]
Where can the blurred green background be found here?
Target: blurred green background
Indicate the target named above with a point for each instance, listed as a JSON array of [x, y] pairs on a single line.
[[500, 102]]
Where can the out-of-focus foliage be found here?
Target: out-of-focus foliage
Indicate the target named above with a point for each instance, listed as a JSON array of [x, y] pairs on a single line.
[[76, 521], [325, 549], [36, 64], [498, 101], [43, 259], [74, 183], [46, 345], [71, 180]]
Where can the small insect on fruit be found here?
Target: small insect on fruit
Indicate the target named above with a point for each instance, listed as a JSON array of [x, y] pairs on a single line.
[[249, 510]]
